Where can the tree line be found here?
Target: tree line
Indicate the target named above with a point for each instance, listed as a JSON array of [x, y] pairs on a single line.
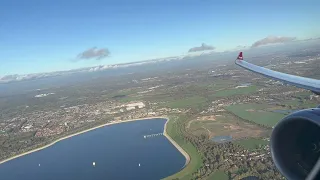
[[222, 156]]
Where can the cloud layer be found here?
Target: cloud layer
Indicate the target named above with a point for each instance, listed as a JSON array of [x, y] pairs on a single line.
[[203, 47], [94, 53], [272, 40]]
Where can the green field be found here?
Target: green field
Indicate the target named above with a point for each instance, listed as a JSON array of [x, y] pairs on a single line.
[[173, 130], [256, 113], [130, 98], [251, 143], [194, 101], [238, 91], [125, 92], [224, 125], [299, 104], [301, 100], [128, 95], [218, 175], [308, 105], [217, 84], [293, 102], [304, 95]]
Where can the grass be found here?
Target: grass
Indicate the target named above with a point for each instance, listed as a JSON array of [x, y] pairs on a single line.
[[308, 105], [304, 95], [128, 95], [299, 104], [258, 114], [238, 91], [173, 130], [218, 175], [216, 84], [251, 143], [224, 125], [216, 126], [188, 102], [301, 101], [294, 102], [130, 98], [125, 93]]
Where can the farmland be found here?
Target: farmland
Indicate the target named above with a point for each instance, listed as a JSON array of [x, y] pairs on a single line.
[[251, 143], [257, 113]]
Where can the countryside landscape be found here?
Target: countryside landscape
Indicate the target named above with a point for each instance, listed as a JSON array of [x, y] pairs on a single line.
[[220, 114]]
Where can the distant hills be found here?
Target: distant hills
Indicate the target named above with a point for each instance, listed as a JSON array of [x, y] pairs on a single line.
[[190, 56], [17, 77]]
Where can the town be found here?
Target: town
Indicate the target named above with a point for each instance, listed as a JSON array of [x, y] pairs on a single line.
[[218, 98]]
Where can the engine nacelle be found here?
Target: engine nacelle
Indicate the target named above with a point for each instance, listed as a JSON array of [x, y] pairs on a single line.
[[295, 143]]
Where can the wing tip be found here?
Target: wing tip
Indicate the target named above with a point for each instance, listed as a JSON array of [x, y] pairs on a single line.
[[240, 56]]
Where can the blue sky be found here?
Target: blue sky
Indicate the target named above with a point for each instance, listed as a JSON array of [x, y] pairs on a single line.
[[42, 35]]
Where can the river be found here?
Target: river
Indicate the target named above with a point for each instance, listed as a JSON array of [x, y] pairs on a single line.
[[117, 151]]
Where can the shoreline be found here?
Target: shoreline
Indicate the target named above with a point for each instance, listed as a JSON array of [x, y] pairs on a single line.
[[176, 145], [186, 155]]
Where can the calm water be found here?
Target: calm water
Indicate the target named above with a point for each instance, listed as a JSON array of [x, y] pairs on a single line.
[[220, 139], [117, 151], [285, 111]]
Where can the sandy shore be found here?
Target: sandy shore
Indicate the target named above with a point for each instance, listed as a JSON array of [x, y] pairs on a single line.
[[183, 152], [107, 124]]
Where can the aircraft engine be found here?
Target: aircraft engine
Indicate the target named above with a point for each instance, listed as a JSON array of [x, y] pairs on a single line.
[[295, 144]]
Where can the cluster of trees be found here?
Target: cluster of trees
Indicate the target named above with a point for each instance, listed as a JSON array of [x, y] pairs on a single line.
[[221, 156]]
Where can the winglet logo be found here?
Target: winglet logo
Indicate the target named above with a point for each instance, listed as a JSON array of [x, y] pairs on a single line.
[[240, 57]]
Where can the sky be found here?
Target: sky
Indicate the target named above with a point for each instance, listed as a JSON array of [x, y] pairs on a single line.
[[43, 36]]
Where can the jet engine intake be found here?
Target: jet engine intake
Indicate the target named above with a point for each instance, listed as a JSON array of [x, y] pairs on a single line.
[[295, 144]]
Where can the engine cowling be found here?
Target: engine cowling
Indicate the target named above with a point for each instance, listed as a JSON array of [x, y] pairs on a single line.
[[295, 143]]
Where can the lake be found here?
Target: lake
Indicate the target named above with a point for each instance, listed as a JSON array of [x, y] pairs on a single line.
[[117, 151], [221, 139], [285, 111]]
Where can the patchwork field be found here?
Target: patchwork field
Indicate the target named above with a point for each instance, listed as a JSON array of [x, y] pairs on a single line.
[[236, 91], [186, 102], [258, 113], [224, 125], [219, 175], [251, 143]]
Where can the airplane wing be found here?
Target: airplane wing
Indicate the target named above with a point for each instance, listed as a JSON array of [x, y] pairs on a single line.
[[298, 81]]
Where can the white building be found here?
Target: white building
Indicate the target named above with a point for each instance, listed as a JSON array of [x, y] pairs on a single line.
[[137, 104]]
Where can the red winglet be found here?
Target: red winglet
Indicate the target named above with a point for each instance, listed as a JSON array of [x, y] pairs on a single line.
[[240, 57]]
